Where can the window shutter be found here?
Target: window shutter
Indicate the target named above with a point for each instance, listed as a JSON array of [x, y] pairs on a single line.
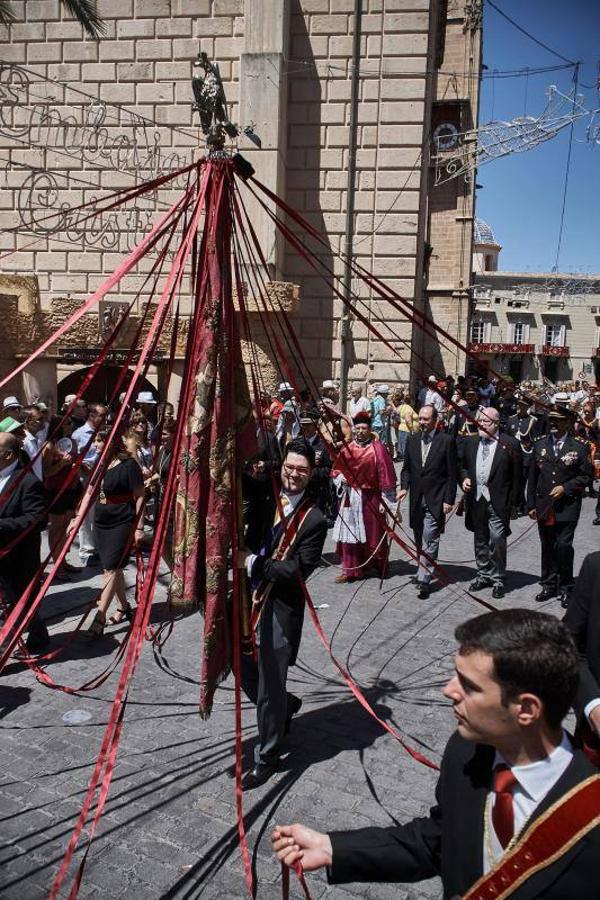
[[563, 332]]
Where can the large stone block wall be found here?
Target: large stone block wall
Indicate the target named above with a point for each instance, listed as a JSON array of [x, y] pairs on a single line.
[[143, 66]]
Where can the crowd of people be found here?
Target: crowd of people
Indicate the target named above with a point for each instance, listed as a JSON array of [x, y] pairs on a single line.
[[479, 447], [471, 447], [58, 454]]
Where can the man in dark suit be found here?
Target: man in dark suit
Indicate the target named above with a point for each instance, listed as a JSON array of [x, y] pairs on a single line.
[[258, 485], [490, 474], [583, 621], [430, 474], [22, 517], [558, 477], [516, 674], [292, 549], [321, 481]]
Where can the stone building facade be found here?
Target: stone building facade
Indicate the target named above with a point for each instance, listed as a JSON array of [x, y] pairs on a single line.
[[532, 325], [81, 118]]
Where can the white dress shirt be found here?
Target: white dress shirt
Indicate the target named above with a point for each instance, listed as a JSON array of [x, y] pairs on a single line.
[[6, 473], [362, 404], [534, 782], [289, 504], [32, 445], [83, 437]]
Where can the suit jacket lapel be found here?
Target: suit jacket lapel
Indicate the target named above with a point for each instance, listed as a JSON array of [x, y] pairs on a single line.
[[499, 451], [432, 449], [8, 493], [479, 772]]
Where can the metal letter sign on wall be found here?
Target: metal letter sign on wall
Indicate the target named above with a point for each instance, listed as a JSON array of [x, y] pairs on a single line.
[[39, 114]]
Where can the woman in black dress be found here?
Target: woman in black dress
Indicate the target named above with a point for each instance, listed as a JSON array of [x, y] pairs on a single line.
[[118, 522]]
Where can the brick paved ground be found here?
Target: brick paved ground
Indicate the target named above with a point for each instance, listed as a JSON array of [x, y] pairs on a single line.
[[169, 828]]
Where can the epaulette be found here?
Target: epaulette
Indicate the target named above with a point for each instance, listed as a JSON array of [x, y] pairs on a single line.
[[540, 438], [580, 440]]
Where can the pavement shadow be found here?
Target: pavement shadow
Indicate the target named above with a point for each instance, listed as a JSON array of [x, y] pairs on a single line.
[[516, 580], [459, 573], [81, 647], [56, 608], [317, 736], [11, 698]]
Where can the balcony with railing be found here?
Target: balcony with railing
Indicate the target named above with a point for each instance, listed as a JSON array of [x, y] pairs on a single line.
[[553, 350], [479, 347]]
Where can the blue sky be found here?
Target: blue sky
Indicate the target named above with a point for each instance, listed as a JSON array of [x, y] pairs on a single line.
[[522, 195]]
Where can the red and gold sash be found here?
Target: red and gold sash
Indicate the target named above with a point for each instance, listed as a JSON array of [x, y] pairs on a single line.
[[551, 836], [285, 545]]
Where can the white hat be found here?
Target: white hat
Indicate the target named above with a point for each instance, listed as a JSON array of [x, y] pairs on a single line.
[[284, 386], [43, 407], [561, 397], [432, 378], [328, 385], [70, 398], [8, 402], [383, 388], [145, 397]]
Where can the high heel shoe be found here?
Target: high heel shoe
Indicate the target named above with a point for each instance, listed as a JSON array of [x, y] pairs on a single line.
[[120, 615], [96, 629]]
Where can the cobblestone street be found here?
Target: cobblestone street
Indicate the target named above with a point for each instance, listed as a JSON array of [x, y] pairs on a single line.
[[169, 829]]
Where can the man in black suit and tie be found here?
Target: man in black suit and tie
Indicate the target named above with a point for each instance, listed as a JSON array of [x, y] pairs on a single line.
[[490, 473], [22, 517], [430, 474], [508, 764], [291, 549], [560, 474]]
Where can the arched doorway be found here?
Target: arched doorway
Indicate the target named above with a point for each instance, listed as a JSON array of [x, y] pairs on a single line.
[[102, 387]]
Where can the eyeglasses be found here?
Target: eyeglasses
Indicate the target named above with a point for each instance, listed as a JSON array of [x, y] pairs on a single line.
[[295, 470]]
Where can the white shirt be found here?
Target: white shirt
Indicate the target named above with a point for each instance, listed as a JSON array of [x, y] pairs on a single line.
[[434, 398], [289, 504], [534, 782], [32, 446], [6, 473], [361, 404], [83, 437], [588, 706]]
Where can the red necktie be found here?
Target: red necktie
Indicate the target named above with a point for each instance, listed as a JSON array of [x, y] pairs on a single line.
[[503, 816]]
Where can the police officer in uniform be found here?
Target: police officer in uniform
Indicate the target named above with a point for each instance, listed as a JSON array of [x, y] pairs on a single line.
[[560, 474], [522, 426]]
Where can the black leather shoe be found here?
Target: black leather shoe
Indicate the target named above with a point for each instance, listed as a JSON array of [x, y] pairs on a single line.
[[596, 521], [498, 592], [424, 591], [293, 707], [260, 774], [479, 584], [564, 599], [545, 594], [38, 639]]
